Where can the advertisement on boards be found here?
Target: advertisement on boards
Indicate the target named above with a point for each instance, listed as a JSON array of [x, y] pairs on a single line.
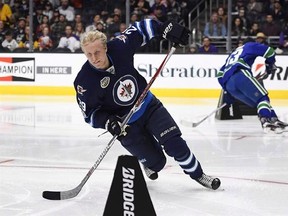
[[17, 69], [182, 71]]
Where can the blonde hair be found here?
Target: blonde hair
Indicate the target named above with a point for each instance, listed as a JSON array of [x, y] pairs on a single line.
[[91, 36]]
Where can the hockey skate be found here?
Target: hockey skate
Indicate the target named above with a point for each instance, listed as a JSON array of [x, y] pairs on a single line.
[[269, 127], [209, 182], [150, 173], [282, 125]]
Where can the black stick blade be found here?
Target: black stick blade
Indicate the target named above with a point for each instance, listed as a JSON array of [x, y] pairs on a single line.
[[51, 195]]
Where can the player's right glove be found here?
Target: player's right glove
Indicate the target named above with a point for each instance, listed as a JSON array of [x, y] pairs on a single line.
[[228, 98], [175, 33], [113, 125]]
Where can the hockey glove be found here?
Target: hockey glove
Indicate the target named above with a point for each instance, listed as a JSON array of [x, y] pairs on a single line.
[[228, 98], [113, 125], [271, 68], [175, 33]]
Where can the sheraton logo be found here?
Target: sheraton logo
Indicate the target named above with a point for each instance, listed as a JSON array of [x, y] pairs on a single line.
[[280, 74], [17, 69], [147, 70]]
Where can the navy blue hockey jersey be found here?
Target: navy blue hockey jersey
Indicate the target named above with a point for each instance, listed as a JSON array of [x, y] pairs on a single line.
[[243, 57], [114, 91]]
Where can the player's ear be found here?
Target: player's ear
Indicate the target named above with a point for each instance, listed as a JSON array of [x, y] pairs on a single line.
[[105, 46]]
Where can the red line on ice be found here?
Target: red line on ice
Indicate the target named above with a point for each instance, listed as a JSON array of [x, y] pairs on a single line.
[[6, 161]]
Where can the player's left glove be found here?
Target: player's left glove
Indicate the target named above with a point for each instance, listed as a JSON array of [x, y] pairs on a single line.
[[175, 32], [113, 125]]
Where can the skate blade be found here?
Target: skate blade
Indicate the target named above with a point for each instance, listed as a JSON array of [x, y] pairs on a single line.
[[275, 131]]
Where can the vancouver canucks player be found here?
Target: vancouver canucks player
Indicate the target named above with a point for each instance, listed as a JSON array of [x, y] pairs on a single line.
[[108, 85], [237, 81]]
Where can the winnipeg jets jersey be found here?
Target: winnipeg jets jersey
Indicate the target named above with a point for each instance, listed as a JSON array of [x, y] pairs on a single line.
[[243, 58], [114, 91]]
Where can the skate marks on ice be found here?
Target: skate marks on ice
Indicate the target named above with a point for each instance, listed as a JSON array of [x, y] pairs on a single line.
[[52, 149], [172, 193], [237, 196]]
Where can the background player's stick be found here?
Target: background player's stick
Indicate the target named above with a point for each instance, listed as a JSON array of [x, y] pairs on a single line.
[[261, 77], [195, 124], [61, 195]]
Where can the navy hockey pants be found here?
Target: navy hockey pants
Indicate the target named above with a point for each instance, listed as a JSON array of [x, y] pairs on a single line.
[[156, 130]]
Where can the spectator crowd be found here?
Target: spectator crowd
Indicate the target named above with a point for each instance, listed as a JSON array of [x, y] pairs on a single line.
[[258, 19], [59, 24]]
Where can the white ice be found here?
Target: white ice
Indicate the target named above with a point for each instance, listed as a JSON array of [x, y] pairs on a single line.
[[46, 145]]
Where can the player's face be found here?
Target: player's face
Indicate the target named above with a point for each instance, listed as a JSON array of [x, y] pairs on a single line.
[[96, 54]]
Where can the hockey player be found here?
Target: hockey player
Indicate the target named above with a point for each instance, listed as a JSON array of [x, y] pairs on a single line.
[[237, 81], [108, 85]]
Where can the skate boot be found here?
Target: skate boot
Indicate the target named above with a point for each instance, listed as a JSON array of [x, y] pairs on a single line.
[[282, 125], [269, 127], [209, 182], [150, 173]]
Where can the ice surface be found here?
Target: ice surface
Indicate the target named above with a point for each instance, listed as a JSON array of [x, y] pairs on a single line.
[[45, 145]]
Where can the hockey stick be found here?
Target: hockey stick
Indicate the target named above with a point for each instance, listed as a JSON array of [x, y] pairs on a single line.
[[195, 124], [62, 195], [262, 77]]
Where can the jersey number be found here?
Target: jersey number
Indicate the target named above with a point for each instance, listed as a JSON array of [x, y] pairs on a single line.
[[234, 56], [130, 30]]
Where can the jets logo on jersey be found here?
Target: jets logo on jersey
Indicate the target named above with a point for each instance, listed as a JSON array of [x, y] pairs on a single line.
[[105, 82], [80, 90], [125, 91]]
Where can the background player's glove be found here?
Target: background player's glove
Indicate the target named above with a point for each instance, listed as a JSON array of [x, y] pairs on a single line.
[[175, 33], [113, 125], [271, 68], [228, 98]]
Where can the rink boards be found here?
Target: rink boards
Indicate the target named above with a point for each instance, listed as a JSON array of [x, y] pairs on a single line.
[[185, 75]]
